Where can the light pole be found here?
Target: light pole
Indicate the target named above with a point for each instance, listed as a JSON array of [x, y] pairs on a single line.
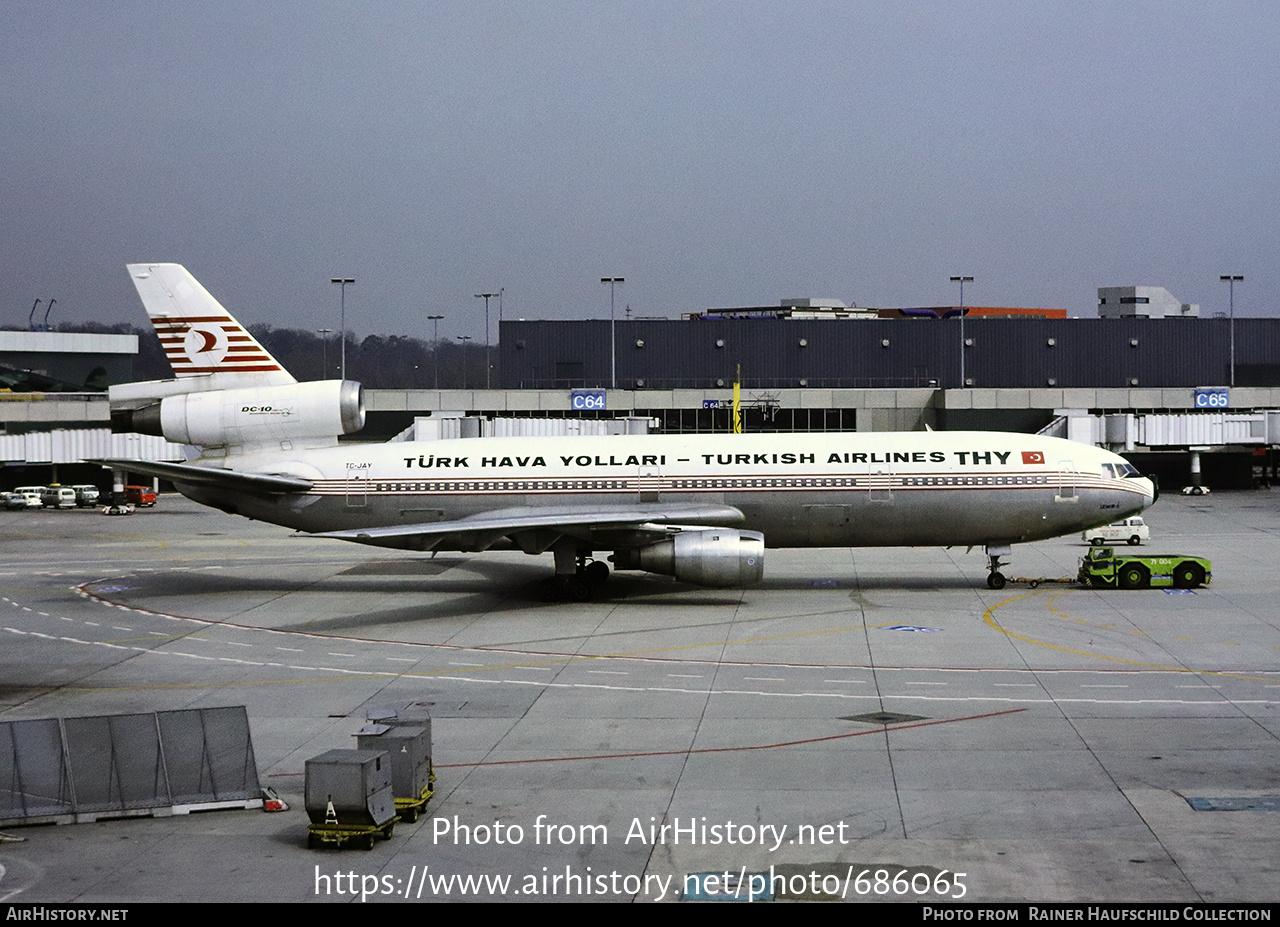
[[324, 334], [613, 338], [486, 297], [962, 281], [342, 282], [435, 344], [464, 339], [1231, 280]]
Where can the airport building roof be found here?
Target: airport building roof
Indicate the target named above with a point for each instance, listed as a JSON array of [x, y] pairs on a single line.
[[807, 309], [67, 343], [1149, 302]]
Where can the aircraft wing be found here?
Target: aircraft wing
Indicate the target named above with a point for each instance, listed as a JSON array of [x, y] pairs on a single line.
[[486, 527], [237, 480]]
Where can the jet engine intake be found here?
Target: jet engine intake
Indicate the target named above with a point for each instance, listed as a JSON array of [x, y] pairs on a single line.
[[718, 557]]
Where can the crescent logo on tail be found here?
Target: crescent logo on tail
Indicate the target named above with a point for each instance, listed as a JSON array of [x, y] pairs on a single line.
[[1033, 457], [205, 345]]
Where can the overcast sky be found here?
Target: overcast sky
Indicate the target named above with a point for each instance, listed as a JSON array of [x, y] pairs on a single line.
[[713, 154]]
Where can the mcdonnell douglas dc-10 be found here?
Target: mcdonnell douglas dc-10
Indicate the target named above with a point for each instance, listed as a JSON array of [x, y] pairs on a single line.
[[701, 508]]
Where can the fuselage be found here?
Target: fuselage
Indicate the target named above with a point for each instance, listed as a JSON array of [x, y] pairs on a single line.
[[798, 489], [700, 508]]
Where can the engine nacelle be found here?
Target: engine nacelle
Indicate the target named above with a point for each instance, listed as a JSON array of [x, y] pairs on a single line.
[[706, 557], [256, 417]]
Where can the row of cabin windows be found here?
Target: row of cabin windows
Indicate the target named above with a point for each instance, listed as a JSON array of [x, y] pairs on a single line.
[[496, 486], [1034, 480], [724, 483]]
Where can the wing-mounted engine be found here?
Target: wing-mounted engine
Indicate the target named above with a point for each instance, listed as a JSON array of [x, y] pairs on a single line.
[[298, 415], [719, 557]]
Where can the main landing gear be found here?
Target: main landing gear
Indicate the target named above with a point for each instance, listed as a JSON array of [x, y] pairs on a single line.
[[995, 579], [577, 576]]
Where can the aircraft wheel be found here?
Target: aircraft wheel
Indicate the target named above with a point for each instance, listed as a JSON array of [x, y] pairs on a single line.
[[995, 580], [596, 572], [1135, 541], [1188, 576], [1133, 577], [578, 590]]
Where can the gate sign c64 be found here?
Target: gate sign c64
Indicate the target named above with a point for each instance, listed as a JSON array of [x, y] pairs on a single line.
[[587, 399]]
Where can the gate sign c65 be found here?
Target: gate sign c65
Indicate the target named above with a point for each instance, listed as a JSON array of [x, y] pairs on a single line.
[[1210, 397]]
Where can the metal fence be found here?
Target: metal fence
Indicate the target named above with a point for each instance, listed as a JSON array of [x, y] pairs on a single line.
[[80, 769]]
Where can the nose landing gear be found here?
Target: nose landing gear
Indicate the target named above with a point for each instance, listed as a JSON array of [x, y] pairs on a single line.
[[995, 579]]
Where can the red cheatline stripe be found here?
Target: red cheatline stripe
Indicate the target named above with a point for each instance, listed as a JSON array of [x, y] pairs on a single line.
[[229, 368], [225, 365], [240, 350], [181, 331], [236, 359], [159, 320], [235, 339]]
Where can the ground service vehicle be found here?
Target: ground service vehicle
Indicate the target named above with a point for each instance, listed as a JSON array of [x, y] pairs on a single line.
[[58, 497], [144, 496], [1103, 567], [1132, 530], [86, 495]]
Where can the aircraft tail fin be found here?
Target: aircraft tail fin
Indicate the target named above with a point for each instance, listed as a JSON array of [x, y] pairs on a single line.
[[200, 338]]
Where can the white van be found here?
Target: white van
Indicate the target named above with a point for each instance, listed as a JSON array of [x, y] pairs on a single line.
[[86, 495], [58, 497], [1132, 530]]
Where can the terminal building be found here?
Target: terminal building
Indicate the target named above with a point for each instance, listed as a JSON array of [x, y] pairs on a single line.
[[54, 411], [1149, 377], [1148, 302]]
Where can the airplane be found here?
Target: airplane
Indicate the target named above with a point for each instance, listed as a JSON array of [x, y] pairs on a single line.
[[702, 508]]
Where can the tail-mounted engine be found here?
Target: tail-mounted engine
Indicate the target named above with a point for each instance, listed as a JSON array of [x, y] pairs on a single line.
[[706, 557], [311, 413]]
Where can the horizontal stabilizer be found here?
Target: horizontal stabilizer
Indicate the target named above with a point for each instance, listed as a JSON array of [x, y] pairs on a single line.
[[190, 474]]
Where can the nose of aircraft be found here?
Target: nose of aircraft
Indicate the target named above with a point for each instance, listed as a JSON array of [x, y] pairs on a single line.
[[1150, 488]]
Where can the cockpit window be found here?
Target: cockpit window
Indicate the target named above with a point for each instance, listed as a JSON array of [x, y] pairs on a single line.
[[1120, 470]]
